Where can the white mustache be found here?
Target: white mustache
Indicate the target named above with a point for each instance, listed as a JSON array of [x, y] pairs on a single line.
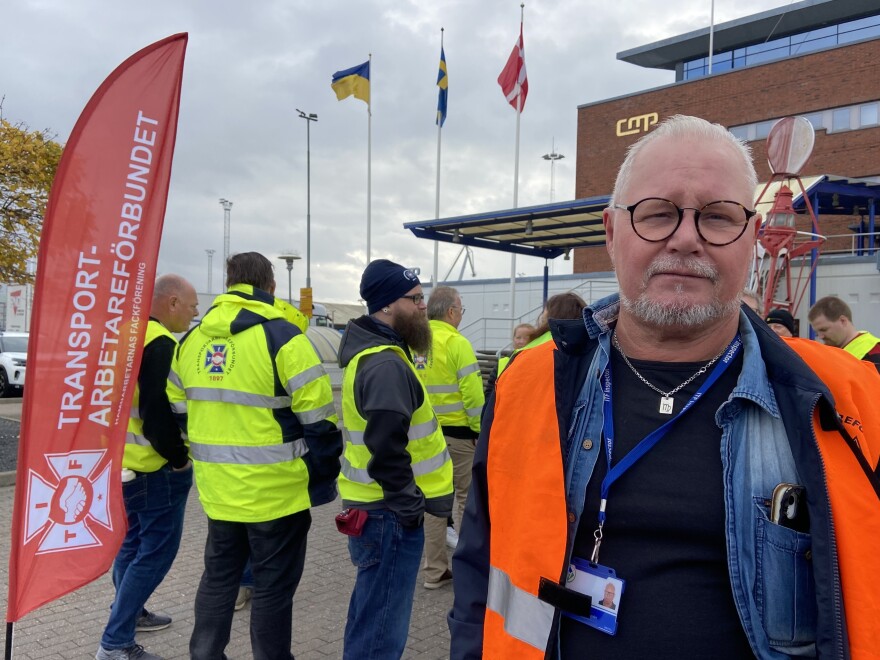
[[669, 264]]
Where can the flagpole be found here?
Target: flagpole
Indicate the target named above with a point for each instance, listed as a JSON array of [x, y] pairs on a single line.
[[369, 156], [711, 33], [437, 199], [516, 185]]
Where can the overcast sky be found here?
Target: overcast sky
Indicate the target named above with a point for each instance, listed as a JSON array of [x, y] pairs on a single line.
[[249, 65]]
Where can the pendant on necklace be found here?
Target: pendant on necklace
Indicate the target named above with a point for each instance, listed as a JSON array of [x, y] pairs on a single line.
[[666, 405]]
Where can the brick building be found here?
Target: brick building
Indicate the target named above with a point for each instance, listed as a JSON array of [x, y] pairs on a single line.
[[815, 58]]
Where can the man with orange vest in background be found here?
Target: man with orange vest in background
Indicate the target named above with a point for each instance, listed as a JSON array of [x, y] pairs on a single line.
[[721, 479]]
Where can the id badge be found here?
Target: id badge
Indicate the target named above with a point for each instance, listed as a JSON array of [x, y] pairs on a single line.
[[603, 586]]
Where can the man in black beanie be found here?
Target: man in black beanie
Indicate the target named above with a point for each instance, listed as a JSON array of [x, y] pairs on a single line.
[[395, 466], [781, 322]]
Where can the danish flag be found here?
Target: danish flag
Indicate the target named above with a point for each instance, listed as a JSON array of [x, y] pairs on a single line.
[[513, 80]]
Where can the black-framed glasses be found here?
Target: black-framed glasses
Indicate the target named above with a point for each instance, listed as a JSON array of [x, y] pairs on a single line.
[[655, 219], [417, 298]]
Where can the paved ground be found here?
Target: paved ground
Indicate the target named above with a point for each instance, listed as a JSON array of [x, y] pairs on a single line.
[[71, 626]]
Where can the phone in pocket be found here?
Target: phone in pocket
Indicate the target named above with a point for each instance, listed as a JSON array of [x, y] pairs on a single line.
[[351, 521], [788, 507]]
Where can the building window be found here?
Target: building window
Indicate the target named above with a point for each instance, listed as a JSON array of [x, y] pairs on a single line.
[[798, 44], [816, 119], [868, 115], [741, 132], [849, 118], [840, 119], [762, 129]]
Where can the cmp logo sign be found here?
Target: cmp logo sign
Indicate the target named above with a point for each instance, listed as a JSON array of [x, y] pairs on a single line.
[[63, 505]]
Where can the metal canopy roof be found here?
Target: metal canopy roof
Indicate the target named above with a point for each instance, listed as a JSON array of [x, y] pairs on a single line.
[[562, 226], [839, 195], [547, 230]]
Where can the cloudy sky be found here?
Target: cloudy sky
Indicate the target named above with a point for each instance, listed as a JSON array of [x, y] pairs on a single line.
[[249, 65]]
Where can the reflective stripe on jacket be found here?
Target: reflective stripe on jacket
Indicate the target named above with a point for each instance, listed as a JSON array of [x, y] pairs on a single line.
[[451, 374], [431, 464], [139, 453], [259, 411]]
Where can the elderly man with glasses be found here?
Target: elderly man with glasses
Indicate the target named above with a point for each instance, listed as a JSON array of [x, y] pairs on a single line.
[[723, 477], [395, 466], [451, 373]]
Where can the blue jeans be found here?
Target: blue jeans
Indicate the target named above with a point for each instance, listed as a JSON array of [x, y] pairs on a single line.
[[277, 551], [247, 577], [154, 504], [387, 557]]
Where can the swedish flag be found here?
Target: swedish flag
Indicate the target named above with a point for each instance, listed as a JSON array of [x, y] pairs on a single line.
[[355, 80], [443, 84]]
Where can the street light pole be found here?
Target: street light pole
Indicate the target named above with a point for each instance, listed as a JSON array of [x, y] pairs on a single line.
[[289, 258], [553, 157], [309, 117], [210, 269], [227, 221]]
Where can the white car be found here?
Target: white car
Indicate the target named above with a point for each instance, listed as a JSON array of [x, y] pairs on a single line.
[[13, 358]]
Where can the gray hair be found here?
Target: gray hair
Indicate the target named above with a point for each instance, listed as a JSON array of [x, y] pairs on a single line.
[[441, 301], [169, 285], [685, 126]]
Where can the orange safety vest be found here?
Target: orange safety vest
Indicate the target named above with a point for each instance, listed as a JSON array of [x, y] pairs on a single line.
[[854, 507], [527, 510], [527, 507]]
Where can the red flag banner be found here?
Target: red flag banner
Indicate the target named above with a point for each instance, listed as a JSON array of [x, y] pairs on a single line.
[[96, 266], [513, 80]]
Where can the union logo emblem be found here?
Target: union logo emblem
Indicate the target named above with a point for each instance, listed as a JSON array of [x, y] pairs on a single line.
[[215, 358], [62, 508]]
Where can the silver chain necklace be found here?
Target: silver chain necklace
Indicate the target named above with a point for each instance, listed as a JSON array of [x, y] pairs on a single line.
[[666, 401]]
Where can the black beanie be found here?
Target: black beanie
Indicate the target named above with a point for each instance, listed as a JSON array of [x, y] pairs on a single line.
[[384, 281], [782, 317]]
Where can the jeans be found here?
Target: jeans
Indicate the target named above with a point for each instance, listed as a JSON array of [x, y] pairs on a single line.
[[154, 504], [387, 558], [277, 551], [247, 577]]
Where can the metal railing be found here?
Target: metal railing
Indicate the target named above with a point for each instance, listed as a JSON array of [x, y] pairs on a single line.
[[483, 330]]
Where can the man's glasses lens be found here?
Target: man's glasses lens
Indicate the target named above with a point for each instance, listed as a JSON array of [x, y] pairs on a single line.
[[718, 223], [416, 298]]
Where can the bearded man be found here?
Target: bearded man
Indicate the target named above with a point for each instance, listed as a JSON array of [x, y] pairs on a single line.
[[670, 441], [395, 467]]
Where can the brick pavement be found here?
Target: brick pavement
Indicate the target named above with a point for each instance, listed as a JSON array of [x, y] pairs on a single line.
[[71, 626]]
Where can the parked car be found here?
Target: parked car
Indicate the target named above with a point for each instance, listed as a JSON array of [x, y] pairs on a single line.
[[13, 358]]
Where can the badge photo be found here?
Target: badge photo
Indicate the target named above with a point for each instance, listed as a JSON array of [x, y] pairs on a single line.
[[604, 587]]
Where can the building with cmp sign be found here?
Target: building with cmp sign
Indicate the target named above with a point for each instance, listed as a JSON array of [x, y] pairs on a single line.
[[815, 58]]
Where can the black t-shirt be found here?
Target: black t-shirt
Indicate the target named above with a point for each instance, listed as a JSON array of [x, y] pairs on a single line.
[[665, 528]]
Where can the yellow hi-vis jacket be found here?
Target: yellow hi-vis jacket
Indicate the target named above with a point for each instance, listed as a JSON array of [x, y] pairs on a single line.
[[139, 453], [430, 461], [258, 410], [451, 375], [861, 345]]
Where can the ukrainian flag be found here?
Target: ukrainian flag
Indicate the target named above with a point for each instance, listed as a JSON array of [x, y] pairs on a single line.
[[355, 80], [443, 84]]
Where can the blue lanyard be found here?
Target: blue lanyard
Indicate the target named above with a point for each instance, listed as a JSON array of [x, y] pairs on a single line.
[[647, 443]]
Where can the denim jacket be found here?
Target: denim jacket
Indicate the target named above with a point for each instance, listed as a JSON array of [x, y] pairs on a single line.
[[770, 566]]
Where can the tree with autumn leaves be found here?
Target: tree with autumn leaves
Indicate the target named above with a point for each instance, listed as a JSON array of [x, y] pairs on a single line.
[[28, 160]]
